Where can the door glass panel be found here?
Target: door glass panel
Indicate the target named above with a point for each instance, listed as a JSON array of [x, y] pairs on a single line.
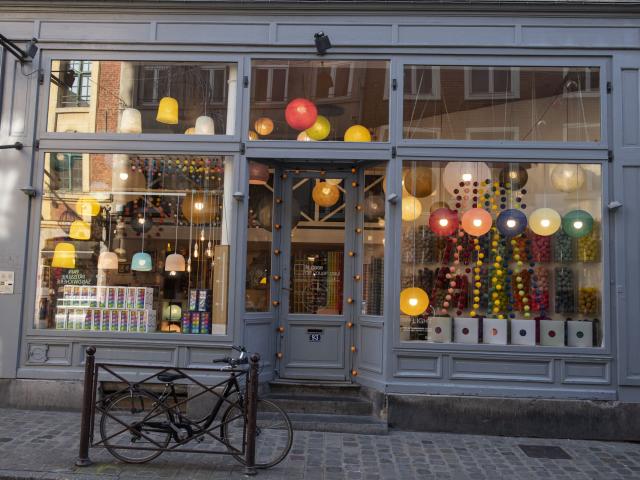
[[317, 248]]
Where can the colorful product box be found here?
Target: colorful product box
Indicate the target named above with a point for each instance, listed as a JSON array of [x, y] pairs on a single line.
[[101, 293], [195, 322], [93, 297], [121, 297], [96, 320], [134, 320], [193, 300], [205, 323], [123, 321], [113, 320], [61, 318], [204, 300], [111, 297], [186, 322], [131, 297], [75, 297], [87, 320]]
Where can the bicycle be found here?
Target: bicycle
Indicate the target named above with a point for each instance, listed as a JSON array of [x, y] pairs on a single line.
[[137, 425]]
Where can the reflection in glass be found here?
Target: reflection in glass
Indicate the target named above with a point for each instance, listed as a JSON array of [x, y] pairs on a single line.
[[555, 104], [319, 100], [154, 240], [114, 96], [373, 238]]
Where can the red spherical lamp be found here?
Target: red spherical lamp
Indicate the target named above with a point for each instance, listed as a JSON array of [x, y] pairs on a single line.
[[444, 221], [300, 113], [476, 222]]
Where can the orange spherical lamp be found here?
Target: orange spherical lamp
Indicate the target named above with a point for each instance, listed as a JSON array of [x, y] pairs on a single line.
[[357, 133], [263, 126], [413, 301], [476, 222], [325, 194]]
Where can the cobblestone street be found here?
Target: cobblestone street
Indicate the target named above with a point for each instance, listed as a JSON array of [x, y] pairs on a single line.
[[44, 445]]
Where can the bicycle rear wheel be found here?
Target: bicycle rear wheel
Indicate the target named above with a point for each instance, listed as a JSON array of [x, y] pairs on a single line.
[[274, 435], [134, 409]]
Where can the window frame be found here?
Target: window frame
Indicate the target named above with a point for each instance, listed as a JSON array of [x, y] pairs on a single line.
[[470, 95]]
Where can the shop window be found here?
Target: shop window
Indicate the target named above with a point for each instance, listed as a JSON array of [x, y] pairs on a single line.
[[422, 83], [502, 253], [142, 97], [66, 171], [259, 238], [506, 103], [322, 100], [373, 242], [144, 249]]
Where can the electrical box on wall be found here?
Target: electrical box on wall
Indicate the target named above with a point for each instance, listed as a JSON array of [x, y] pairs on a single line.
[[6, 282]]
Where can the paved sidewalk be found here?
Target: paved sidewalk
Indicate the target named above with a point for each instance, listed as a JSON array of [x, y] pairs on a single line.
[[43, 445]]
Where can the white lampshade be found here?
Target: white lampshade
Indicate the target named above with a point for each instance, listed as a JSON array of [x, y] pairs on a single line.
[[544, 221], [131, 121], [457, 172], [174, 263], [205, 126], [567, 177], [108, 261]]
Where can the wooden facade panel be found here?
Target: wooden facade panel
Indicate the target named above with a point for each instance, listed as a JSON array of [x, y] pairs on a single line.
[[370, 347], [630, 106], [134, 355], [347, 34], [202, 357], [451, 35], [417, 365], [41, 353], [238, 33], [506, 369], [580, 36], [586, 372], [93, 31]]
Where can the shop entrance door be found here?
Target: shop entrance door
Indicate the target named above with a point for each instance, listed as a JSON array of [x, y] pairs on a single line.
[[317, 265]]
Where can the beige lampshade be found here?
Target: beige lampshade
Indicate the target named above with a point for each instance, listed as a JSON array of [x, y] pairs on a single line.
[[64, 256], [418, 181], [168, 111], [108, 261], [544, 221], [567, 177], [130, 121], [205, 126], [411, 208], [462, 172], [174, 263]]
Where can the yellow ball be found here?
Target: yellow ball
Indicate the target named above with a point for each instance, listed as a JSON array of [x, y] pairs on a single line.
[[476, 305], [527, 308], [498, 287], [413, 301], [478, 284], [501, 317], [357, 133], [472, 313], [320, 129], [476, 292], [481, 255], [496, 310]]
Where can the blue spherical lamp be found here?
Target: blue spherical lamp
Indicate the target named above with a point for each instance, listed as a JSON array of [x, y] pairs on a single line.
[[511, 222], [577, 223], [141, 262]]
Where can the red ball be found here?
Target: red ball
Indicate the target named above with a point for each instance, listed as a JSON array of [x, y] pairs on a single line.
[[301, 113], [444, 221]]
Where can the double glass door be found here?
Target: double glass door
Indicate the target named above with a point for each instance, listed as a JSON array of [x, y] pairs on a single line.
[[317, 255]]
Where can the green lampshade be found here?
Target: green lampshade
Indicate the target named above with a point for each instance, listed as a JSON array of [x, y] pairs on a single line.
[[577, 223], [141, 262]]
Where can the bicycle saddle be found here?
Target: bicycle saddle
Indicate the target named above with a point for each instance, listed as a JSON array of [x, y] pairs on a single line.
[[169, 377]]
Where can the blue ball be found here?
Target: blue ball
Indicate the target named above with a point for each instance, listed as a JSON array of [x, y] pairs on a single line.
[[511, 222]]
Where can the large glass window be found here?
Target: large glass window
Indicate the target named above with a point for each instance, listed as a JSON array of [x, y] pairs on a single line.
[[140, 244], [506, 253], [533, 104], [114, 96], [319, 100]]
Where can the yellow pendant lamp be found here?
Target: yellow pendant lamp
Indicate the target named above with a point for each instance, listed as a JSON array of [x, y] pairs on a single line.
[[87, 207], [80, 230], [168, 111], [413, 301], [325, 194], [64, 256], [357, 133], [411, 208], [544, 221]]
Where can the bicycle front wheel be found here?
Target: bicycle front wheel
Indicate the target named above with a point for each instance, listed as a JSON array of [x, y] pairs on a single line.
[[132, 428], [274, 433]]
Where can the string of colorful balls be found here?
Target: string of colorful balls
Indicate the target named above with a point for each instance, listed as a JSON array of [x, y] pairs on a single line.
[[302, 114]]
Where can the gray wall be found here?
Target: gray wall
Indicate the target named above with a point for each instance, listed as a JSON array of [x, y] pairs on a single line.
[[610, 372]]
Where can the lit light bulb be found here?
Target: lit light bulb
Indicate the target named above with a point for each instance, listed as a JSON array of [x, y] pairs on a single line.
[[172, 273], [124, 176], [209, 250], [466, 177], [413, 301], [199, 205], [195, 250], [477, 222], [189, 264], [545, 222], [511, 223], [202, 235], [141, 221], [326, 191], [443, 222], [578, 224], [513, 174]]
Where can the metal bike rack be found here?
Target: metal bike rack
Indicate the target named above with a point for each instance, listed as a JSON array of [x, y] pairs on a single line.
[[92, 405]]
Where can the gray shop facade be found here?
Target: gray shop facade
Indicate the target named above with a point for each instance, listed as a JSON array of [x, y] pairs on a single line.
[[440, 205]]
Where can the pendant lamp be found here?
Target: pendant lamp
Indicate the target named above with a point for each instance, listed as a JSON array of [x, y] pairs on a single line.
[[64, 256], [80, 230], [325, 194], [511, 222], [168, 111], [544, 221], [108, 260], [413, 301], [87, 207], [567, 177], [304, 137], [190, 131], [439, 204], [357, 133], [418, 181], [175, 262], [373, 207], [456, 174], [577, 223], [130, 121], [513, 178], [204, 126], [253, 135], [444, 221], [411, 208], [258, 173], [320, 129], [300, 113], [141, 260], [263, 126], [476, 222]]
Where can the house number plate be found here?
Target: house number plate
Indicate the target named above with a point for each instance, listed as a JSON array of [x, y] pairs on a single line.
[[315, 335]]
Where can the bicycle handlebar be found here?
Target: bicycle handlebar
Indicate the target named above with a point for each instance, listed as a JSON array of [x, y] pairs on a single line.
[[243, 359]]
